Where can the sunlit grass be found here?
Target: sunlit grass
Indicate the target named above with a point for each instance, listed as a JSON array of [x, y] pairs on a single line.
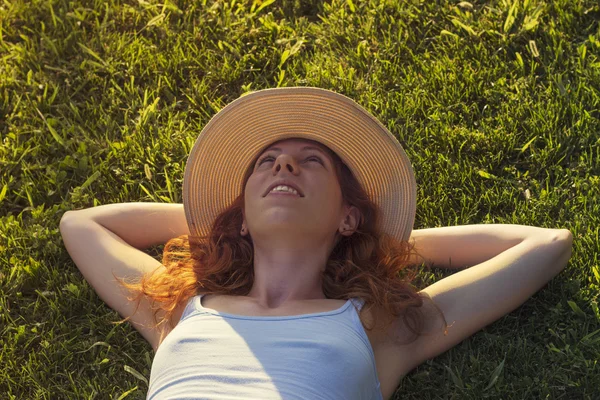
[[497, 104]]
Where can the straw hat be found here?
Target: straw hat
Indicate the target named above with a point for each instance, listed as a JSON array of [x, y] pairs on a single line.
[[236, 135]]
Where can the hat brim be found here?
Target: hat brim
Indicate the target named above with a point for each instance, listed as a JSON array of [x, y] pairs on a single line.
[[234, 136]]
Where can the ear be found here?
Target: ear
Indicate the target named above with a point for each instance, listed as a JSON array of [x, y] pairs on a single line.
[[350, 222], [244, 225]]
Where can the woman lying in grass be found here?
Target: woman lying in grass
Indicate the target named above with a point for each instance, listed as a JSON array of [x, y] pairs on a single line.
[[287, 271]]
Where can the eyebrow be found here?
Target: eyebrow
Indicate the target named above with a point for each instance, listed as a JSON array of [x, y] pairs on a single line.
[[304, 148]]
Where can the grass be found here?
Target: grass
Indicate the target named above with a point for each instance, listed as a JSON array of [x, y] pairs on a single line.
[[497, 104]]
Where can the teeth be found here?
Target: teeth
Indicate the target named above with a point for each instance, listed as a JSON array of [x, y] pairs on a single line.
[[283, 188]]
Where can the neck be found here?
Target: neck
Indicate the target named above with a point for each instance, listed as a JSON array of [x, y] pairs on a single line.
[[284, 275]]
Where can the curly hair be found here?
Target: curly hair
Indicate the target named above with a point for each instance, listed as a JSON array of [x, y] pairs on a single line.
[[368, 264]]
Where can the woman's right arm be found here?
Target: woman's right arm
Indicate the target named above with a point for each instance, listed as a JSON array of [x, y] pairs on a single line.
[[109, 239]]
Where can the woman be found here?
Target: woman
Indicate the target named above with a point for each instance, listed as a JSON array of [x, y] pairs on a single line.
[[284, 275]]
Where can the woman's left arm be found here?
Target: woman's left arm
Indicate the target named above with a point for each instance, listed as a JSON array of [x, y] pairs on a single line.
[[458, 247], [474, 297]]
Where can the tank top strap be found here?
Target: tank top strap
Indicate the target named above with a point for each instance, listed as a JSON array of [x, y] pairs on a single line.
[[194, 304], [358, 303], [191, 306]]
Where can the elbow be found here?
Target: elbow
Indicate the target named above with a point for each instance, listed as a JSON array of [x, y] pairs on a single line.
[[563, 236], [63, 220], [563, 240], [67, 221], [556, 248]]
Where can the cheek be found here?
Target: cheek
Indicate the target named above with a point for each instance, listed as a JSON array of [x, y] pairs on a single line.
[[251, 185], [332, 194]]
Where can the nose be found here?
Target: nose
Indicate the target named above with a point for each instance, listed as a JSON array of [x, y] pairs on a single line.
[[285, 161]]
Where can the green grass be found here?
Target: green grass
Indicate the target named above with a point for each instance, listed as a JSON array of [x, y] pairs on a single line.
[[497, 104]]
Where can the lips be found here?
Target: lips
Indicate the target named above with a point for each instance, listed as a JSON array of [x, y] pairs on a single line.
[[283, 194], [286, 183]]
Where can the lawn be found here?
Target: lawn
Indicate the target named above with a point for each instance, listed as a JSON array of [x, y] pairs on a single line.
[[497, 104]]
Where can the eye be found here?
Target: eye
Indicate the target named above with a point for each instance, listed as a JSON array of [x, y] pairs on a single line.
[[264, 159], [316, 158]]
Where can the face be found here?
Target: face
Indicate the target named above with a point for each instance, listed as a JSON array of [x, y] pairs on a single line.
[[311, 169]]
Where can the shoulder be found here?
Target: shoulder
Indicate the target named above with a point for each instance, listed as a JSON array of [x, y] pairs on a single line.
[[178, 312], [173, 321], [393, 343], [393, 339]]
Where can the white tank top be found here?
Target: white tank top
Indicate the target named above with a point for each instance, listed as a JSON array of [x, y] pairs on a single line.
[[215, 355]]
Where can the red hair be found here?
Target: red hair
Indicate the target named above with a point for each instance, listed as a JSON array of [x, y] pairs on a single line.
[[368, 264]]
